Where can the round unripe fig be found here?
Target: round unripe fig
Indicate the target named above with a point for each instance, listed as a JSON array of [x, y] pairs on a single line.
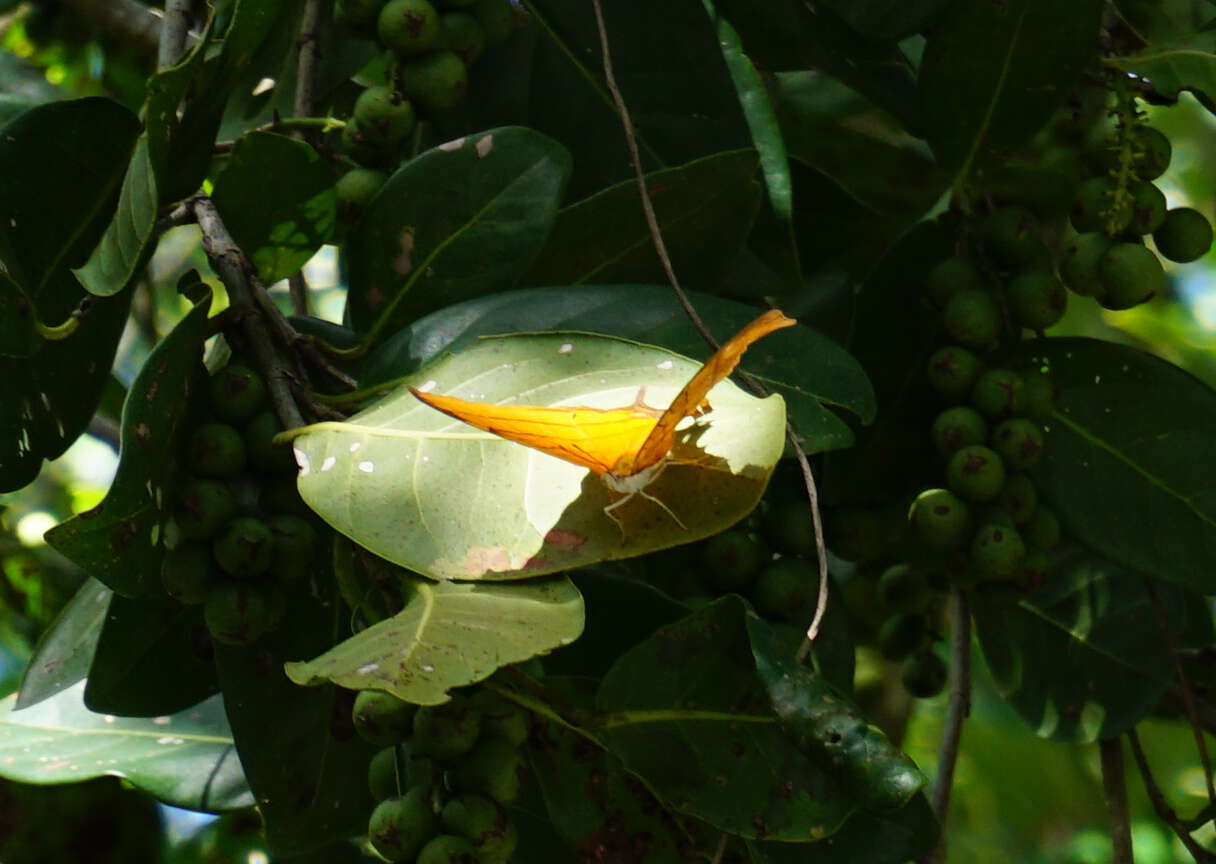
[[497, 19], [999, 393], [1153, 152], [436, 81], [1012, 235], [786, 590], [1018, 497], [400, 827], [446, 731], [1094, 208], [244, 548], [997, 550], [995, 514], [1184, 235], [463, 36], [355, 189], [236, 614], [494, 768], [188, 573], [787, 527], [293, 550], [203, 507], [952, 372], [924, 674], [1042, 530], [237, 393], [358, 148], [215, 450], [1131, 275], [384, 116], [1079, 263], [732, 559], [956, 428], [972, 319], [901, 634], [949, 277], [381, 718], [409, 27], [484, 824], [940, 519], [1036, 299], [280, 495], [448, 849], [855, 534], [263, 453], [903, 588], [1041, 395], [501, 717], [1148, 208], [382, 779], [975, 473], [1019, 442]]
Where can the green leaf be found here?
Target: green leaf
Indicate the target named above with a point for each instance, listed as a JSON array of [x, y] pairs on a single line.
[[887, 19], [808, 369], [704, 210], [1081, 657], [875, 838], [448, 635], [434, 495], [993, 73], [18, 324], [1170, 70], [65, 650], [153, 658], [124, 247], [687, 712], [276, 196], [459, 221], [1128, 463], [185, 760], [119, 540]]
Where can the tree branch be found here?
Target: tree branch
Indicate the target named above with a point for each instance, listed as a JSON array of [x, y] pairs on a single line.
[[127, 21], [960, 708], [1164, 810], [173, 32], [1114, 785]]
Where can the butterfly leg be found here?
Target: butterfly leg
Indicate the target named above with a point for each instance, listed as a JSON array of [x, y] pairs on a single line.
[[616, 519], [665, 508]]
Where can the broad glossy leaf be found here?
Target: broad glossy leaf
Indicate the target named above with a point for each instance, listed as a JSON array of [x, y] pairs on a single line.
[[992, 73], [186, 759], [436, 496], [887, 19], [687, 712], [65, 650], [704, 209], [1128, 464], [459, 221], [119, 540], [1170, 70], [875, 838], [18, 324], [1081, 657], [448, 635], [276, 196]]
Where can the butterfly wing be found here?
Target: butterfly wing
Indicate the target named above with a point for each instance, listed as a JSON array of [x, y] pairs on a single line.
[[691, 399], [595, 438]]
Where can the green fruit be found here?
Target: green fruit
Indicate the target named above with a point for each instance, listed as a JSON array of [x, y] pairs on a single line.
[[359, 148], [1152, 152], [732, 559], [448, 849], [956, 428], [236, 614], [1042, 530], [1041, 395], [1018, 497], [495, 768], [903, 588], [463, 35], [787, 527], [237, 393], [995, 514], [358, 16], [1079, 263], [384, 116], [382, 780], [401, 826], [497, 19], [949, 277], [1019, 442], [381, 718], [997, 550], [1036, 299], [188, 573], [409, 27], [901, 634], [244, 548], [436, 81], [1148, 208], [1094, 208], [215, 450], [786, 590], [924, 674], [1012, 235], [975, 473], [855, 534], [940, 519], [1131, 275], [203, 507], [501, 717], [446, 731], [972, 319], [355, 189], [293, 550], [952, 372], [999, 393], [263, 453], [1184, 235], [484, 824]]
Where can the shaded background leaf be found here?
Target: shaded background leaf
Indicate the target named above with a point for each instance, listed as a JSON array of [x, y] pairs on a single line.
[[65, 650]]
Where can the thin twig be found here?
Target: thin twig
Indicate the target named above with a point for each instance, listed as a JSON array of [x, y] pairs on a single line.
[[300, 346], [297, 287], [1114, 785], [721, 850], [960, 705], [1164, 810], [173, 32], [309, 43]]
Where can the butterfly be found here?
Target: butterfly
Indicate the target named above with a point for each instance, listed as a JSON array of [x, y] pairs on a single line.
[[626, 447]]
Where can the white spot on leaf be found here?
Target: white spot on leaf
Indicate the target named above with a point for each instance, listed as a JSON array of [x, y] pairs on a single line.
[[454, 144], [302, 461], [355, 447], [665, 365], [367, 467], [484, 145], [428, 386], [327, 463], [566, 348], [368, 668]]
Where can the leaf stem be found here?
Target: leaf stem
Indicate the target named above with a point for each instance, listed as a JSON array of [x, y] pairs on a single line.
[[959, 709]]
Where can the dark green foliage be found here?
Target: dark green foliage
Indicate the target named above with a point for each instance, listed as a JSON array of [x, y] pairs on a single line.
[[732, 559], [924, 674]]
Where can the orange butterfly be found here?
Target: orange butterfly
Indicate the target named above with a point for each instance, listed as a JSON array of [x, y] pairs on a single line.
[[626, 447]]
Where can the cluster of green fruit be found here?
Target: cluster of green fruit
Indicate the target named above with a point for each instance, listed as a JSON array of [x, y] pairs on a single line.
[[243, 541], [446, 776]]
